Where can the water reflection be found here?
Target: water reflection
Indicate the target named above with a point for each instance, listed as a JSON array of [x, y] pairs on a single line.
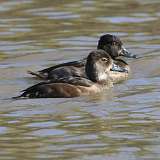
[[123, 123], [80, 132]]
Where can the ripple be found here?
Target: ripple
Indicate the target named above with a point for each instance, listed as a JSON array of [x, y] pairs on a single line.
[[77, 41], [3, 130], [126, 19], [48, 132], [52, 14], [6, 6], [42, 124]]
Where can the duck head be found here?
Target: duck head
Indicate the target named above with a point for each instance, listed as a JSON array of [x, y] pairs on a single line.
[[98, 65], [114, 46]]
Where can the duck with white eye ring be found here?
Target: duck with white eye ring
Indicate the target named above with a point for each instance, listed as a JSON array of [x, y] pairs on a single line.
[[109, 43], [97, 70]]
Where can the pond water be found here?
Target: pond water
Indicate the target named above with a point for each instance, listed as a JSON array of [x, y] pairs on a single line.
[[122, 123]]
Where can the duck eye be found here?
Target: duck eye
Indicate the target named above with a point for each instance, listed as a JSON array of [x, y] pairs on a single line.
[[116, 44], [105, 59]]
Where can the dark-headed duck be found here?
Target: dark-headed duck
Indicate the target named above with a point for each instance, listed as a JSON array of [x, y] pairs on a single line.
[[97, 70], [109, 43]]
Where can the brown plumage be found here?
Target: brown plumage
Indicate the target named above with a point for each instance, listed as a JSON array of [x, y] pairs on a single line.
[[109, 43], [97, 70]]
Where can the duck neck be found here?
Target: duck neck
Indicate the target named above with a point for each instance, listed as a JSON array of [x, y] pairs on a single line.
[[95, 72], [111, 50]]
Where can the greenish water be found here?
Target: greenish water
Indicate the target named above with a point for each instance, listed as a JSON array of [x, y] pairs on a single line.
[[123, 123]]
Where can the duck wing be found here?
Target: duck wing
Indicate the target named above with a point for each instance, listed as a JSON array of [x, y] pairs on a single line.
[[65, 87], [44, 74]]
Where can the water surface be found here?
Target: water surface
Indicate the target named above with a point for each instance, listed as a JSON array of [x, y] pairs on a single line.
[[122, 123]]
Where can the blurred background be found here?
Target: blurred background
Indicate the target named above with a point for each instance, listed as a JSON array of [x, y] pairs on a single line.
[[122, 123]]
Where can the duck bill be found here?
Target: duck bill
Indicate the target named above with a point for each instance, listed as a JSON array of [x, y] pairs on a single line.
[[117, 68], [124, 52]]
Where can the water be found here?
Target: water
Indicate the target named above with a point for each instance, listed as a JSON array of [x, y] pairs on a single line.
[[121, 124]]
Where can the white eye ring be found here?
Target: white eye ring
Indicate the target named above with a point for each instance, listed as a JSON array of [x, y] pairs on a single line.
[[104, 59]]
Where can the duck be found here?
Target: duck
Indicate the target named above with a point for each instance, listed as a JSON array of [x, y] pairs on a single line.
[[97, 69], [107, 42]]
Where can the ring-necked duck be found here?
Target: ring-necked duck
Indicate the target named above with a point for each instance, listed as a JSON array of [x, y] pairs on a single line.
[[97, 70], [109, 43]]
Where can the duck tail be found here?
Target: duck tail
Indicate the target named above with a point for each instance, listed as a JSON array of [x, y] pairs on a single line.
[[19, 97], [25, 95], [36, 74], [31, 92]]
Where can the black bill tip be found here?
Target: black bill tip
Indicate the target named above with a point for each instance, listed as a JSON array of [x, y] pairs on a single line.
[[126, 53]]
